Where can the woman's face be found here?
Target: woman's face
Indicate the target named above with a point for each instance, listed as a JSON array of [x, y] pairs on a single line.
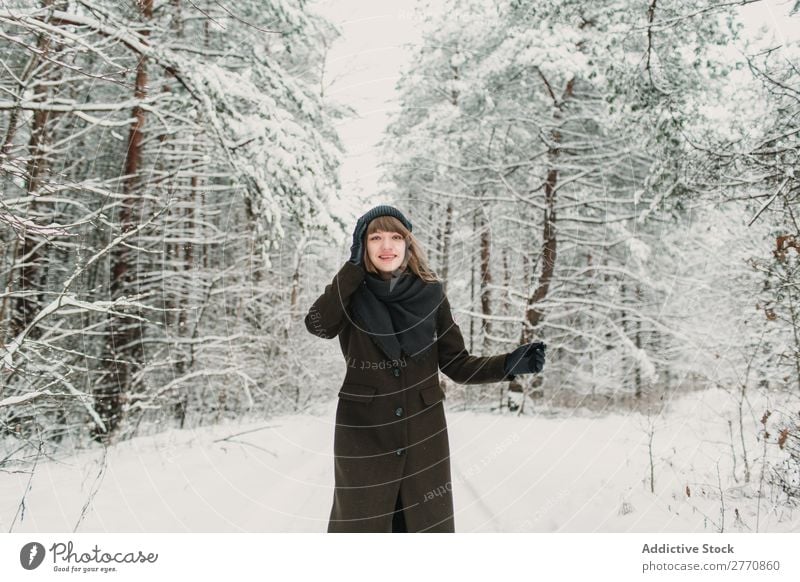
[[386, 250]]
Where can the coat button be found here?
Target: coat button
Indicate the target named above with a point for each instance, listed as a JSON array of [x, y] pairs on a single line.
[[396, 372], [399, 452], [398, 411]]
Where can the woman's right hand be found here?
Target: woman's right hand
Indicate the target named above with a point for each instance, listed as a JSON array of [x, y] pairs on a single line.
[[357, 249]]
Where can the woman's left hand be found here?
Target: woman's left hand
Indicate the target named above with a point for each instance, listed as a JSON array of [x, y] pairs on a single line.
[[526, 359]]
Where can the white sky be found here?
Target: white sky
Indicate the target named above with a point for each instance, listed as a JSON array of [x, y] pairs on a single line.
[[364, 65], [365, 62], [773, 15]]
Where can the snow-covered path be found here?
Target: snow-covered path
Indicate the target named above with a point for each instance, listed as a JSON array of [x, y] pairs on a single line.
[[556, 472]]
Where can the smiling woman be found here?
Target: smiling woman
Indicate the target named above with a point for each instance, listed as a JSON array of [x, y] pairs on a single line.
[[391, 450]]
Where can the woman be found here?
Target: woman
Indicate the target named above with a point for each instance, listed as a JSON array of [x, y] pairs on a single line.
[[396, 331]]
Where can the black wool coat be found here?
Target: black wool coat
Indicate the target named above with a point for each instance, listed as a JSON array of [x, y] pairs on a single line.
[[391, 435]]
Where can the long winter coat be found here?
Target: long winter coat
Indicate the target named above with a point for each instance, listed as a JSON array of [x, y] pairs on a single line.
[[391, 434]]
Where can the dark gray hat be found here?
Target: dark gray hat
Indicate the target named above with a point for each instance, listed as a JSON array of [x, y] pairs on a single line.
[[385, 210]]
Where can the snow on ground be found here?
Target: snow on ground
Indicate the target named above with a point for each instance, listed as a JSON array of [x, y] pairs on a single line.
[[556, 471]]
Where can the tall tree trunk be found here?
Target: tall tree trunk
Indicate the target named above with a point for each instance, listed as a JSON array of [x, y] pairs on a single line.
[[125, 347], [623, 315], [486, 280], [28, 251], [638, 342], [534, 314], [472, 271], [446, 237]]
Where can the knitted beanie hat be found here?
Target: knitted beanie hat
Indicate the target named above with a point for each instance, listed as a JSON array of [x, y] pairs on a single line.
[[385, 210]]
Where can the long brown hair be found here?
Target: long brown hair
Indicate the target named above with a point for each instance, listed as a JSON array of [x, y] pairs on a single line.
[[415, 258]]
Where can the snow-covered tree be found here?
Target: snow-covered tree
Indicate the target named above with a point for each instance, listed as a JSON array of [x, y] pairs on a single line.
[[158, 159], [556, 132]]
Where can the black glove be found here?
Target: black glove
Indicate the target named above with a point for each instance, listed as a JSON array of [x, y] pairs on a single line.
[[357, 250], [527, 359]]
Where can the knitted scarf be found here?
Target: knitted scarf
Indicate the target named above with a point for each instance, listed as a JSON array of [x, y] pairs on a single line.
[[399, 314]]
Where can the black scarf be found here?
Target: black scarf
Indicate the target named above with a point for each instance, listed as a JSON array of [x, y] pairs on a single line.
[[398, 314]]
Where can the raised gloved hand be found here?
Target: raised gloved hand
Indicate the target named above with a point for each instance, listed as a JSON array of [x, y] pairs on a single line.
[[357, 249], [526, 359]]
